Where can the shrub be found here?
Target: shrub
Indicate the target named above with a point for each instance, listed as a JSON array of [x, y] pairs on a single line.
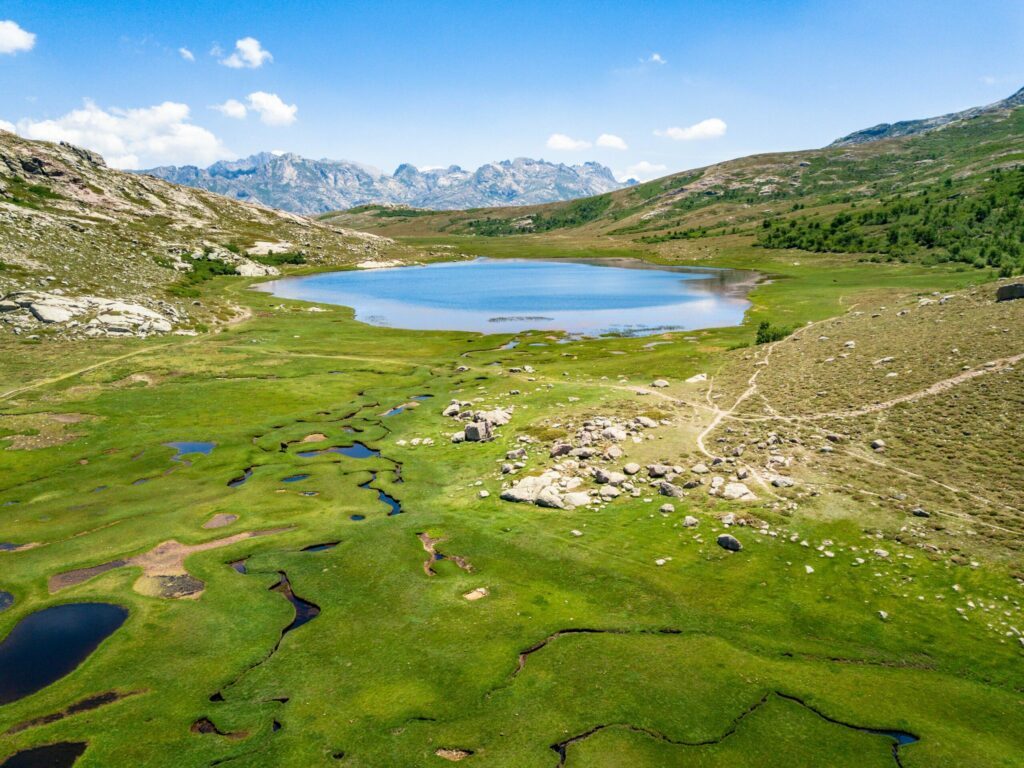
[[767, 333]]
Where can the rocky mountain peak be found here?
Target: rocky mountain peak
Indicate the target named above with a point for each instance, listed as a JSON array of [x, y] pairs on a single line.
[[301, 185]]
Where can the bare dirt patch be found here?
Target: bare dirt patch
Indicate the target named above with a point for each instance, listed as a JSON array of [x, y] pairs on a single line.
[[454, 755], [163, 567], [220, 520], [430, 547], [67, 579], [40, 430]]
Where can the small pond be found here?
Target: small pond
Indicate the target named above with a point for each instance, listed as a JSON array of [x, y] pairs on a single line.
[[598, 296], [48, 644], [185, 447]]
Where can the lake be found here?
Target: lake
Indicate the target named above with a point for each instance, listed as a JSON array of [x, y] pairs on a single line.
[[589, 297]]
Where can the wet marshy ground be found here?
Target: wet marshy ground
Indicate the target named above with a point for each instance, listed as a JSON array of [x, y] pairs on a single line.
[[405, 406], [320, 547], [6, 600], [61, 755], [48, 644], [241, 479], [84, 705], [394, 505], [305, 611], [355, 451], [898, 738]]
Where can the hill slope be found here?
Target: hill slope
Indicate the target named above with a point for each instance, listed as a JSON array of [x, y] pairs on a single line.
[[85, 242], [941, 195], [912, 127], [301, 185]]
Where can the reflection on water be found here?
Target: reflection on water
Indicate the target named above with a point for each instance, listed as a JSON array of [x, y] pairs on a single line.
[[593, 297]]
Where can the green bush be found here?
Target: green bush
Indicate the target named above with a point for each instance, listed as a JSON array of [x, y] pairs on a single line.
[[767, 333], [202, 270], [277, 259]]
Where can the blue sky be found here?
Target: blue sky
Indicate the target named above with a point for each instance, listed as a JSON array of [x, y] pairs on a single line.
[[678, 84]]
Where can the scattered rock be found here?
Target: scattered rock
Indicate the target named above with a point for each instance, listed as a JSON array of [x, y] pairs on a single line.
[[729, 542], [666, 488], [602, 476], [576, 499], [737, 492], [1010, 292], [478, 431]]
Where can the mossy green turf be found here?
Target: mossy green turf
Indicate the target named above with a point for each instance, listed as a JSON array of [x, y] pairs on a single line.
[[398, 663]]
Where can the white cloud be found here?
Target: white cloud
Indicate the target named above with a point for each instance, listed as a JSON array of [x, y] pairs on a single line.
[[656, 58], [248, 54], [642, 171], [562, 142], [13, 38], [133, 138], [232, 108], [705, 129], [186, 54], [271, 109], [5, 126], [611, 141]]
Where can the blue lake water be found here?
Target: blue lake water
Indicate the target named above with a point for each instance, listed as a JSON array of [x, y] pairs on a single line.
[[593, 297]]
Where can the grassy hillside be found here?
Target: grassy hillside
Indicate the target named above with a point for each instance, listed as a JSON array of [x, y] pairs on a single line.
[[70, 223], [953, 194]]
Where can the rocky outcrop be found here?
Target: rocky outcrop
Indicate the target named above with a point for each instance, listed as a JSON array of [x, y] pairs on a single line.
[[84, 315]]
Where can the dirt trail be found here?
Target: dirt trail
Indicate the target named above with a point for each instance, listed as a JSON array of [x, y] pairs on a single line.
[[71, 374], [244, 314], [992, 366]]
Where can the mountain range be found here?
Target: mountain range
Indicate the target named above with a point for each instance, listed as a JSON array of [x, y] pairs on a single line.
[[293, 183]]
